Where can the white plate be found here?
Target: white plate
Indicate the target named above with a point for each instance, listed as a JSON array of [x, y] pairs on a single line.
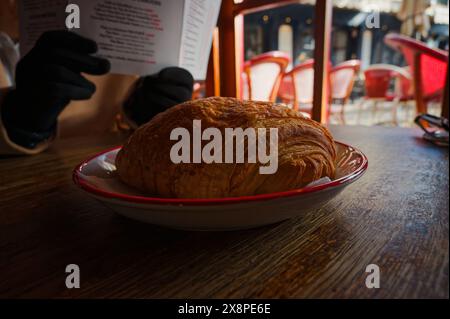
[[97, 177]]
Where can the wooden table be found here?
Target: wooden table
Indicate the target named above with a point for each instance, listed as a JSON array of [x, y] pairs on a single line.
[[395, 216]]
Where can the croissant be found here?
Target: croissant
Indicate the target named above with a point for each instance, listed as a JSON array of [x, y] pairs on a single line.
[[306, 151]]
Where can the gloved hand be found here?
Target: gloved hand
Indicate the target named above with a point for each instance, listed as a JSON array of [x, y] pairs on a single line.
[[47, 79], [158, 92]]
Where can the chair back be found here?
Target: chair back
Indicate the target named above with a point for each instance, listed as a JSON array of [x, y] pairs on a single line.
[[426, 63], [378, 79], [342, 78], [286, 90], [263, 75], [301, 78]]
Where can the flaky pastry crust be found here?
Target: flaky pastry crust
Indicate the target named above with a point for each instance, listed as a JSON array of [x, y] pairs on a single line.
[[306, 152]]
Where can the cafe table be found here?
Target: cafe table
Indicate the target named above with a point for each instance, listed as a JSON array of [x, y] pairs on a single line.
[[395, 216]]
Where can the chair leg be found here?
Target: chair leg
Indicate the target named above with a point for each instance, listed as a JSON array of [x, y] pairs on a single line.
[[407, 113], [342, 115], [402, 108], [374, 111], [412, 112], [394, 113], [360, 106]]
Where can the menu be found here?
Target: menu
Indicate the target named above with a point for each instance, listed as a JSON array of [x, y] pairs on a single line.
[[138, 36]]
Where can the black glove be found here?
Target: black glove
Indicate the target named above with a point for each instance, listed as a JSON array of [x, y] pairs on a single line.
[[158, 92], [47, 79]]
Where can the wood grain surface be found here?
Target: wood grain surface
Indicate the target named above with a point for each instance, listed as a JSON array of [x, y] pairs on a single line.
[[395, 216]]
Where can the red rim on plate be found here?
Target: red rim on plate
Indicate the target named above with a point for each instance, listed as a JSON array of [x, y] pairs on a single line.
[[82, 183]]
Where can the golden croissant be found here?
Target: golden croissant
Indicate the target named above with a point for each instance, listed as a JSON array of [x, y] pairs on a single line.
[[305, 151]]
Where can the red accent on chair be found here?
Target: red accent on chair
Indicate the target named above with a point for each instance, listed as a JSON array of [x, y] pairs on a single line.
[[286, 90], [428, 67], [378, 79], [298, 86], [262, 75], [377, 82], [342, 78], [404, 86]]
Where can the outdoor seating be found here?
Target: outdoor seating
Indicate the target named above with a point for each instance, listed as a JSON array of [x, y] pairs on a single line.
[[428, 68], [262, 75]]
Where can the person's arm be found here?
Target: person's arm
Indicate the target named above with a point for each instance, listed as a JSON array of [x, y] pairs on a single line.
[[7, 146], [47, 79]]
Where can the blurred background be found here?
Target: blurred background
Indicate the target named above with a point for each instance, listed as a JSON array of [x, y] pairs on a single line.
[[388, 59]]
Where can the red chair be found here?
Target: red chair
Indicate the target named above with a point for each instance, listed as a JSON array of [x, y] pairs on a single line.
[[378, 84], [286, 90], [342, 78], [298, 86], [428, 66], [262, 76]]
